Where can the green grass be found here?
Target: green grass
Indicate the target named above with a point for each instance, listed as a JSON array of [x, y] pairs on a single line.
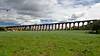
[[55, 43]]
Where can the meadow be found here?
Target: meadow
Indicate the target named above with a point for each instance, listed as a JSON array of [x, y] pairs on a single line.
[[45, 43]]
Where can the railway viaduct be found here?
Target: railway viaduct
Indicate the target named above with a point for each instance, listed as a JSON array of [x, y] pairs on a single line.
[[50, 27]]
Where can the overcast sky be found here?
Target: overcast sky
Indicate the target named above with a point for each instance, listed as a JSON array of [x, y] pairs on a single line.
[[32, 11]]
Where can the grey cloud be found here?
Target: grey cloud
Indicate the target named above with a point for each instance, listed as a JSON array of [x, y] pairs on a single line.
[[47, 8], [41, 8], [77, 3], [30, 7]]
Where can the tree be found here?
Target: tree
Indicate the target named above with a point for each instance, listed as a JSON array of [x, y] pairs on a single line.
[[2, 29], [95, 26]]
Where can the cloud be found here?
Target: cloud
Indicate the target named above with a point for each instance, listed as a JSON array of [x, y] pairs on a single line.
[[94, 11], [41, 8], [37, 8], [91, 13], [7, 16], [30, 11]]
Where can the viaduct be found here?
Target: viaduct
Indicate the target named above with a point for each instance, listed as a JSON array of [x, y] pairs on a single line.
[[50, 27]]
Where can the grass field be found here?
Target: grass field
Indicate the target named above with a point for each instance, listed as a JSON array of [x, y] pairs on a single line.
[[56, 43]]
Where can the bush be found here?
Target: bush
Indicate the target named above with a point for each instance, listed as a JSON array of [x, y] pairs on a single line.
[[95, 27], [2, 29]]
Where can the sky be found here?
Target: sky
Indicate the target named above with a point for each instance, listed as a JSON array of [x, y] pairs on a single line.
[[26, 12]]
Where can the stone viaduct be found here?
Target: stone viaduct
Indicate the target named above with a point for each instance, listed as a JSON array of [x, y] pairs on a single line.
[[50, 27]]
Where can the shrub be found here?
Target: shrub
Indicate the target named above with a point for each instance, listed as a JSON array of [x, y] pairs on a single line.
[[95, 27], [2, 29]]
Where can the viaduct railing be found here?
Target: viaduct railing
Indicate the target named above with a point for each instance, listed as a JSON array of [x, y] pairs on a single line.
[[50, 27]]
